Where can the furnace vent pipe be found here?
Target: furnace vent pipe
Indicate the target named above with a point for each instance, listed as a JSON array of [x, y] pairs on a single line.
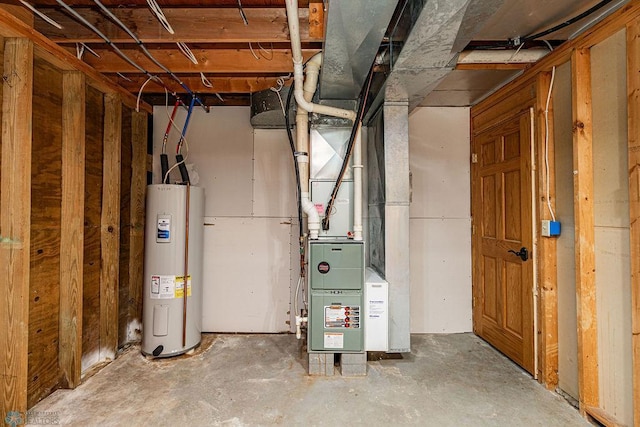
[[296, 50], [303, 92], [302, 142]]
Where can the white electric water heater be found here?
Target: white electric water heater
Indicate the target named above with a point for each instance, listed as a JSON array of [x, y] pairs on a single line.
[[172, 303]]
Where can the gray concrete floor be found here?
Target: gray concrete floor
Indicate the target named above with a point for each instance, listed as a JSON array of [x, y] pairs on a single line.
[[261, 380]]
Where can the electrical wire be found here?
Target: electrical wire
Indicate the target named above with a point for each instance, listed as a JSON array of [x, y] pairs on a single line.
[[253, 52], [44, 17], [155, 8], [122, 76], [270, 52], [184, 160], [294, 155], [277, 90], [151, 77], [173, 115], [102, 36], [187, 52], [205, 81], [138, 42], [81, 47], [546, 144], [242, 15], [567, 22], [364, 95]]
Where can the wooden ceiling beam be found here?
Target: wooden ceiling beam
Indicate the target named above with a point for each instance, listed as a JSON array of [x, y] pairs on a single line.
[[210, 25], [222, 85], [209, 61], [10, 26], [247, 4]]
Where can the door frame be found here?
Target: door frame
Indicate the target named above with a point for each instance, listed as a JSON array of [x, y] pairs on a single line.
[[518, 96]]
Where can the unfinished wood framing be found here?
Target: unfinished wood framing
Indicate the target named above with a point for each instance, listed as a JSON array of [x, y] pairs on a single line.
[[585, 230], [209, 60], [15, 226], [547, 328], [94, 123], [223, 26], [137, 221], [633, 99], [44, 48], [110, 227], [72, 231], [316, 20], [46, 220]]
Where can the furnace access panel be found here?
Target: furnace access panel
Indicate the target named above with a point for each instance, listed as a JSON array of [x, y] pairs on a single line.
[[336, 288]]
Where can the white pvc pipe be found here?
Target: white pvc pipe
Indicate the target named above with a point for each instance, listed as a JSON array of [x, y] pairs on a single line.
[[296, 50], [357, 185], [303, 92]]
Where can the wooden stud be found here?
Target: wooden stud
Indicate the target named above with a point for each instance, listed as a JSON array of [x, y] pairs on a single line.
[[633, 98], [547, 252], [139, 122], [110, 227], [584, 222], [72, 228], [15, 227], [316, 20]]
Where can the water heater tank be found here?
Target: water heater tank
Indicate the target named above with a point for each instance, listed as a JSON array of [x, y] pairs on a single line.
[[165, 332]]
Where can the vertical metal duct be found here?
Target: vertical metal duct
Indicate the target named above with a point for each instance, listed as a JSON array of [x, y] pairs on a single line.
[[354, 31]]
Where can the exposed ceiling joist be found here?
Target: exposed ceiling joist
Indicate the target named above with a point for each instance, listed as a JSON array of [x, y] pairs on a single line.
[[174, 3], [221, 85], [212, 25], [209, 60]]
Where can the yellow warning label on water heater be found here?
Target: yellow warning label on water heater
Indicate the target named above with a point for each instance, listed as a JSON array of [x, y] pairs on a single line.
[[180, 286]]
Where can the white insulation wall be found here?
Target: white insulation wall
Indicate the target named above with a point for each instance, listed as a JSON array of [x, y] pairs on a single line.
[[611, 212], [250, 242], [251, 248], [440, 220]]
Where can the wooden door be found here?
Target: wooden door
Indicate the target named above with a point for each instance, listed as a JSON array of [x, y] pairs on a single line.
[[502, 226]]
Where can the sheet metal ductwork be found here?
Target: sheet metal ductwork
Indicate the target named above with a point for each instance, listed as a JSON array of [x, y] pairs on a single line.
[[354, 32]]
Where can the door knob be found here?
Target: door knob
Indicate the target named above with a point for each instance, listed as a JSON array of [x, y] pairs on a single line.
[[523, 253]]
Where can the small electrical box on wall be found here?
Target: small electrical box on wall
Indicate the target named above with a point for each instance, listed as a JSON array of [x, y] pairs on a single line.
[[550, 228]]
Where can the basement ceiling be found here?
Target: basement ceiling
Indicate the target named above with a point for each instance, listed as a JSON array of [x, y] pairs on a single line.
[[237, 55]]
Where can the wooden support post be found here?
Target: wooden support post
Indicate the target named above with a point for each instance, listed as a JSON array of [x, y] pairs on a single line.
[[585, 234], [633, 98], [72, 228], [15, 225], [139, 122], [547, 251], [110, 227]]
